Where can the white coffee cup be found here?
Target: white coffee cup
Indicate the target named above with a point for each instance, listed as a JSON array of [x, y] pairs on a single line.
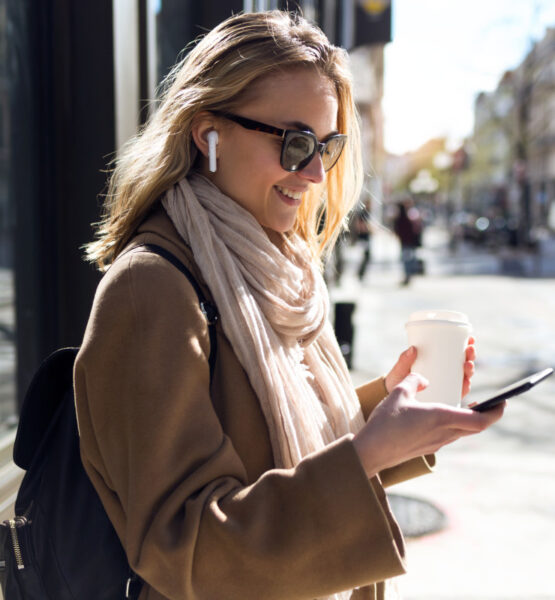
[[441, 338]]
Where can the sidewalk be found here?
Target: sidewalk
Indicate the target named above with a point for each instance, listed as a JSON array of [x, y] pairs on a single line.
[[496, 490], [7, 348]]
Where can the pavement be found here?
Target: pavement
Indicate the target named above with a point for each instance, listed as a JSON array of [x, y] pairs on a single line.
[[481, 527], [7, 349]]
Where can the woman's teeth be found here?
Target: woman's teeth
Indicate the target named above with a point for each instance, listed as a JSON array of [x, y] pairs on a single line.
[[289, 193]]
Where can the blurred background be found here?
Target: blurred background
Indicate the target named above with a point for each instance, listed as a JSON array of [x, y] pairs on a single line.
[[457, 104]]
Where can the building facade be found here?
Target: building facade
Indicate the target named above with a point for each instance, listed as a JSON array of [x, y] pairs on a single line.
[[512, 166]]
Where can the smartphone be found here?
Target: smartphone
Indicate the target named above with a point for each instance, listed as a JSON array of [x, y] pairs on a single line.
[[512, 390]]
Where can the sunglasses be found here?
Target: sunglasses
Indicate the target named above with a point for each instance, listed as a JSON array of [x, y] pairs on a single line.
[[298, 148]]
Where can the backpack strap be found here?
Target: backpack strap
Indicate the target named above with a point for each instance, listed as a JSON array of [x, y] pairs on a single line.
[[208, 308], [134, 582]]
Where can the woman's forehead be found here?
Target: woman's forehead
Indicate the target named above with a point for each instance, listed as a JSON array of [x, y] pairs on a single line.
[[300, 95]]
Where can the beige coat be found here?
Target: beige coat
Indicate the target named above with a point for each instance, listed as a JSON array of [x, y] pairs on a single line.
[[186, 472]]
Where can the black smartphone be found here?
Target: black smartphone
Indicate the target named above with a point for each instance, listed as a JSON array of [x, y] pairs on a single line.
[[511, 390]]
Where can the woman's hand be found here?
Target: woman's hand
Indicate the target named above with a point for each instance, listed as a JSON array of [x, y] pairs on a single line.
[[401, 427], [403, 366]]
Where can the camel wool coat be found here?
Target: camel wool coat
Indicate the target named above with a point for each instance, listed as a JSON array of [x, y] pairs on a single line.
[[185, 469]]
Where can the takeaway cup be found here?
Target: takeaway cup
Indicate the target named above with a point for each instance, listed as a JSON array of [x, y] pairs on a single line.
[[440, 337]]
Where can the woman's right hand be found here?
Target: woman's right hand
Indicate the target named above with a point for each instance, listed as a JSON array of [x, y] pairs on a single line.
[[401, 427]]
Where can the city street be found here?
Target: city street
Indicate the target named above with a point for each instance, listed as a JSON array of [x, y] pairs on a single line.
[[497, 490]]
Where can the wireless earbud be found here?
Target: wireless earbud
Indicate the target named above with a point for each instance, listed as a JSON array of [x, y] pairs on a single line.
[[212, 143]]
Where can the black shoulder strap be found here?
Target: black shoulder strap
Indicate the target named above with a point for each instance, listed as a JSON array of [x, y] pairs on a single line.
[[209, 310]]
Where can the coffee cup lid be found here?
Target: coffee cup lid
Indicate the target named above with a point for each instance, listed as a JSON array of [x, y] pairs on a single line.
[[450, 316]]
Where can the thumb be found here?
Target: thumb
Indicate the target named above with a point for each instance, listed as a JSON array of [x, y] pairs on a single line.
[[407, 358]]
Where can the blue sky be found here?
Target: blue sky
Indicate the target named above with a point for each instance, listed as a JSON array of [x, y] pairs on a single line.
[[446, 51]]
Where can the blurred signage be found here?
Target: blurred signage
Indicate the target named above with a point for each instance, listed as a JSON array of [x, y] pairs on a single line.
[[372, 22], [374, 8]]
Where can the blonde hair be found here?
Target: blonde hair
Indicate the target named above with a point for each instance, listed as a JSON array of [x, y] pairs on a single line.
[[215, 75]]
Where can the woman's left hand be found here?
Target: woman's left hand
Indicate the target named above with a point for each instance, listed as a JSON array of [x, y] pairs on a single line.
[[403, 365]]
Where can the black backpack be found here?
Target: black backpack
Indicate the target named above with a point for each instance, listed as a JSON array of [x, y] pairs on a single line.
[[61, 545]]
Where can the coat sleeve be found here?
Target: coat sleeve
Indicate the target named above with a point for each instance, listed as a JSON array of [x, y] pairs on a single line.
[[172, 483], [370, 395]]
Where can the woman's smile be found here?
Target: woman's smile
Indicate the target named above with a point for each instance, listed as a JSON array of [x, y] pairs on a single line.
[[289, 196]]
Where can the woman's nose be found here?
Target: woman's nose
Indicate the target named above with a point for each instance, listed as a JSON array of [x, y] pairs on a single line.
[[314, 171]]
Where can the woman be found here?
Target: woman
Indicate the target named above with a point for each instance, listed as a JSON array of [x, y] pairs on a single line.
[[263, 478]]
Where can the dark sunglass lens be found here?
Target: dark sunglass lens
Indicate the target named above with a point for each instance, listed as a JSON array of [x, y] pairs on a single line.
[[297, 151], [332, 151]]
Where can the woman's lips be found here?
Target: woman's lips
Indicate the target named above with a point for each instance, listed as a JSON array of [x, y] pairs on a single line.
[[290, 197]]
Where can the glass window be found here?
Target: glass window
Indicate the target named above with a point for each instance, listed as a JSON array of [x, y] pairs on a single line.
[[7, 223]]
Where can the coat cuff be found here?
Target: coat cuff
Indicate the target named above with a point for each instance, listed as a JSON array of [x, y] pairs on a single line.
[[371, 394], [408, 470], [379, 550]]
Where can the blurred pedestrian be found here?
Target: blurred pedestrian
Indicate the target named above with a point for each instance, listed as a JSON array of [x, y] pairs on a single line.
[[362, 230], [407, 225]]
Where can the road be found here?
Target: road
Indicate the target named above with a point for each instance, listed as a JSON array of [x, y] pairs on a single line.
[[496, 490]]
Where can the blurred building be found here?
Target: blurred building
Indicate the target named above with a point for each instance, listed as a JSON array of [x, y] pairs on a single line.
[[512, 150], [492, 145], [538, 78], [371, 34], [368, 65]]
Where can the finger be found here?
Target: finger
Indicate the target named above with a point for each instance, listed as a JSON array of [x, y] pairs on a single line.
[[407, 358], [494, 414], [466, 387], [468, 374], [469, 369], [412, 383], [470, 353], [474, 421], [401, 368]]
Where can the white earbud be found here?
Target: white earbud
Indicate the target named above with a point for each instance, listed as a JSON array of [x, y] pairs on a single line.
[[212, 143]]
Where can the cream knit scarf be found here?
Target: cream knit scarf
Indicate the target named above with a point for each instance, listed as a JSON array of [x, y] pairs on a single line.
[[274, 311]]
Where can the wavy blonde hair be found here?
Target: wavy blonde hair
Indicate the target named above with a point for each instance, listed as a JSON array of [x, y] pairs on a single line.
[[215, 75]]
